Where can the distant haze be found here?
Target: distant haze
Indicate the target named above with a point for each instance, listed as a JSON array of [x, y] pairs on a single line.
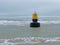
[[21, 7]]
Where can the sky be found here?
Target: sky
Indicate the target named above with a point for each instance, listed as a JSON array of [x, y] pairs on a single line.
[[21, 7]]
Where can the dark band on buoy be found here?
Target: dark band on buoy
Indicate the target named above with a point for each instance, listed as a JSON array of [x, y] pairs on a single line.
[[34, 24], [34, 20]]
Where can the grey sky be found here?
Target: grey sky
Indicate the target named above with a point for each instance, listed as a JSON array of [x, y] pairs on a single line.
[[27, 6]]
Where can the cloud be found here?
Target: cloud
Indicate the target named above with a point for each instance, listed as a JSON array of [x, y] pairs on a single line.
[[17, 6]]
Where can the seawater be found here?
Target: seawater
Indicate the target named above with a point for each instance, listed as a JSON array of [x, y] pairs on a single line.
[[18, 31]]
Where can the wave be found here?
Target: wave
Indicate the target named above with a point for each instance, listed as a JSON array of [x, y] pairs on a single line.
[[22, 23], [28, 40], [50, 16], [8, 22]]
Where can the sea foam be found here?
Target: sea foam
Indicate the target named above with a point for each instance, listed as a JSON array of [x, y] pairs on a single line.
[[28, 40], [22, 23]]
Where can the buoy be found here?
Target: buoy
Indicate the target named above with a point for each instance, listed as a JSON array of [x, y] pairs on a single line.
[[35, 22]]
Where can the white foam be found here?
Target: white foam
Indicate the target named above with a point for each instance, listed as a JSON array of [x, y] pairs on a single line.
[[19, 23], [51, 16], [29, 40], [22, 23], [50, 22]]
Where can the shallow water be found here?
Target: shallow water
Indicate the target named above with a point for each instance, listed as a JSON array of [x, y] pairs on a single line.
[[12, 30], [15, 32]]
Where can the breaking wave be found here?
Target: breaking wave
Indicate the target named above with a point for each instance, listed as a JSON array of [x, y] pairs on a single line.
[[28, 40], [8, 22]]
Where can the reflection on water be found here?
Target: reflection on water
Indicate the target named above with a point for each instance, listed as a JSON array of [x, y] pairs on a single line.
[[35, 32]]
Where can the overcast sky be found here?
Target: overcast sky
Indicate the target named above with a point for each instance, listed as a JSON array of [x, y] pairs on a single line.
[[27, 6]]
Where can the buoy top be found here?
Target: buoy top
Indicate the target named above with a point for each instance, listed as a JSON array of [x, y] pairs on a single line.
[[35, 16]]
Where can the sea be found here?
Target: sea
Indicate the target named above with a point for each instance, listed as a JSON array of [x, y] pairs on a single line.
[[18, 31], [15, 19]]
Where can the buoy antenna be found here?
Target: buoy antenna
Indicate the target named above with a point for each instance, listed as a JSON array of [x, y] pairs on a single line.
[[35, 11]]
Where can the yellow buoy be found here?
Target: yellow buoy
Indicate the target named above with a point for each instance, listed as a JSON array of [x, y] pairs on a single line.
[[35, 19], [35, 16]]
